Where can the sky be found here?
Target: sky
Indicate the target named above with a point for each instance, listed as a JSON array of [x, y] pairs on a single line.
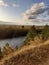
[[24, 12]]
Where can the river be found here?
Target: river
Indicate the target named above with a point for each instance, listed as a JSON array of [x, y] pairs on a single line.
[[12, 42]]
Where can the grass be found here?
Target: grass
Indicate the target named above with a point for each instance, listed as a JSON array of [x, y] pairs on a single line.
[[29, 55], [7, 31], [36, 53]]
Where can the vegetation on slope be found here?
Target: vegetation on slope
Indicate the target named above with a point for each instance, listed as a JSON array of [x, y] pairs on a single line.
[[7, 50], [38, 55], [42, 34], [45, 32]]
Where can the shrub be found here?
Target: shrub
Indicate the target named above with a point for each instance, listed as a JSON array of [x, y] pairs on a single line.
[[1, 55], [16, 48], [45, 32], [31, 34]]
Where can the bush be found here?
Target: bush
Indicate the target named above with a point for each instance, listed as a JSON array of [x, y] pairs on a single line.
[[16, 48], [1, 55], [31, 34], [45, 32]]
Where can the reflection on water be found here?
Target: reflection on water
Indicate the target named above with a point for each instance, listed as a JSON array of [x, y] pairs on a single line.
[[13, 42]]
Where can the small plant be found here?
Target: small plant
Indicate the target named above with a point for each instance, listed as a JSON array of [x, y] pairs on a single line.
[[45, 32], [22, 26], [31, 34], [1, 55], [16, 48], [7, 44]]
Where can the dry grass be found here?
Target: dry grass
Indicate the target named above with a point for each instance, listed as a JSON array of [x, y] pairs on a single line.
[[29, 55]]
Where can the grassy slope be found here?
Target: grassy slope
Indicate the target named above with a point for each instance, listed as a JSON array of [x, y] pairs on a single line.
[[36, 53], [29, 55]]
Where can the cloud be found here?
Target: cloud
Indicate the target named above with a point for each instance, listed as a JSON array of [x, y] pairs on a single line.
[[48, 12], [2, 3], [40, 20], [15, 5], [35, 10]]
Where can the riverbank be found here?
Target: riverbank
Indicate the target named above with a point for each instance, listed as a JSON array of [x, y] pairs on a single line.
[[12, 31], [12, 42]]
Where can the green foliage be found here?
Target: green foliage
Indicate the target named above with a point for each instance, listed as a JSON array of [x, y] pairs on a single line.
[[4, 49], [16, 48], [31, 34], [1, 55], [22, 26], [7, 49], [7, 45], [45, 32]]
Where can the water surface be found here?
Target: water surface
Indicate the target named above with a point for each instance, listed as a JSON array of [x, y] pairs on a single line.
[[12, 42]]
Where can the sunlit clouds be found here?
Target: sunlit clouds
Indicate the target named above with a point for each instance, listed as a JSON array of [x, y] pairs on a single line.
[[27, 12], [35, 10], [15, 5], [2, 3]]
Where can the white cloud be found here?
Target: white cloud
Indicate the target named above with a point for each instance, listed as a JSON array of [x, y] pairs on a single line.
[[15, 5], [35, 10], [2, 3]]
